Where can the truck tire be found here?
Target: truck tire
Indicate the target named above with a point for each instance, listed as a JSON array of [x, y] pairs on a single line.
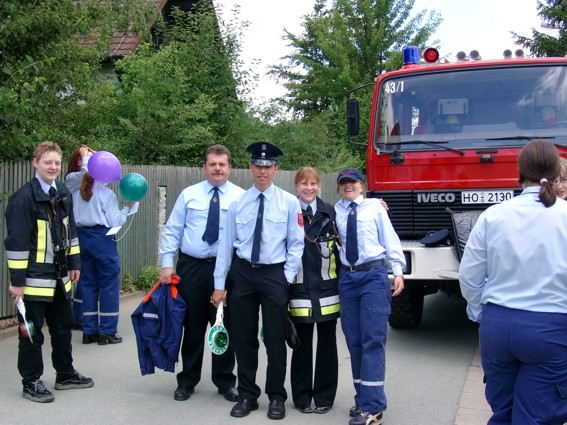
[[407, 308]]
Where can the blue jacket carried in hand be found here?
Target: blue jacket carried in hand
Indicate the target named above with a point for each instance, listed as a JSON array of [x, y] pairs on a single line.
[[158, 325]]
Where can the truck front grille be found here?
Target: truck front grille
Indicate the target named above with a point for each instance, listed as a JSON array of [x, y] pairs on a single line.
[[413, 220]]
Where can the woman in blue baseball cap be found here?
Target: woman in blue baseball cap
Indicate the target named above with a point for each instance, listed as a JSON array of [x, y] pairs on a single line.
[[369, 243]]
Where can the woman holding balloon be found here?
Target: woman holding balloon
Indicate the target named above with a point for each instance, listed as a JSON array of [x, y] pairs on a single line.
[[96, 211]]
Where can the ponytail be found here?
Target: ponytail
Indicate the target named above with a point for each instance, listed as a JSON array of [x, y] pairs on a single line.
[[547, 195], [86, 189], [538, 163]]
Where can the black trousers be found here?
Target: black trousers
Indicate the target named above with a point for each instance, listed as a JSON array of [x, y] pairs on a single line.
[[321, 387], [254, 287], [59, 318], [196, 287]]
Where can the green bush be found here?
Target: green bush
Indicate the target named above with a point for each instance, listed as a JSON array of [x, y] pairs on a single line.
[[127, 284], [148, 278]]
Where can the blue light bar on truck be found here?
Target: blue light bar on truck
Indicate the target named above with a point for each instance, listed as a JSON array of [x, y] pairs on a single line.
[[411, 55]]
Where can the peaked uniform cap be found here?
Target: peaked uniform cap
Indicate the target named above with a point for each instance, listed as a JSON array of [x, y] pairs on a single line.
[[350, 174], [264, 154]]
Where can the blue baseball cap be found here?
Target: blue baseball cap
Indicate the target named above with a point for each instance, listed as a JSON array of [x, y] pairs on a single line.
[[350, 174]]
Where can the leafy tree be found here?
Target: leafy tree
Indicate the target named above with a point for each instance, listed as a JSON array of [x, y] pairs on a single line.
[[553, 14], [346, 46], [171, 102], [50, 52]]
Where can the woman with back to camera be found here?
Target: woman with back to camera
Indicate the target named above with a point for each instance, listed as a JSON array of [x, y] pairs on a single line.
[[76, 169], [96, 211], [314, 299], [514, 277]]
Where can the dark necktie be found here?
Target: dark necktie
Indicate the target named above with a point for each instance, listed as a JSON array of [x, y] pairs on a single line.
[[52, 194], [351, 234], [309, 214], [258, 231], [211, 234]]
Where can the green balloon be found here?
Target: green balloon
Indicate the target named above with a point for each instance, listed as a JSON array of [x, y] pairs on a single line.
[[133, 187]]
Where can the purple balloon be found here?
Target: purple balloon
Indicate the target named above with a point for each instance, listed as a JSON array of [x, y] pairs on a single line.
[[104, 167]]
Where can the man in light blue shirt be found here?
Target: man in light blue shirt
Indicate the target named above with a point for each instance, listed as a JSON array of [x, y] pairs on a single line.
[[265, 231], [194, 227]]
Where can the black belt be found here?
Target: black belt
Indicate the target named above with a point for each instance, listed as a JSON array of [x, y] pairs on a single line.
[[258, 265], [365, 266], [207, 259]]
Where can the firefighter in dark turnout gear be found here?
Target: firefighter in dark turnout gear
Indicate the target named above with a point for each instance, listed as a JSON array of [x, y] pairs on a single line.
[[43, 259], [314, 299]]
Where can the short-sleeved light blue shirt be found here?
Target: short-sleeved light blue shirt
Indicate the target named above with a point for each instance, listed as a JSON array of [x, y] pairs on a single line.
[[376, 236]]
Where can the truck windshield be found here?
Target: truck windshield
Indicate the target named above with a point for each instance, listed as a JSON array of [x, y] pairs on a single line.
[[472, 108]]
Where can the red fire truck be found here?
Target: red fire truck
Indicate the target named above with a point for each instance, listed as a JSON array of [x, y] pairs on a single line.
[[443, 140]]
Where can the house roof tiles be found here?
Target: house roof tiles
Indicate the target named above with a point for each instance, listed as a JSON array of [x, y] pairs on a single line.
[[123, 44]]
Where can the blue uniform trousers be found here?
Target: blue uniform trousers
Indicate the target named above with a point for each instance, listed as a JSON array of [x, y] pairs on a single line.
[[524, 357], [365, 306], [100, 280]]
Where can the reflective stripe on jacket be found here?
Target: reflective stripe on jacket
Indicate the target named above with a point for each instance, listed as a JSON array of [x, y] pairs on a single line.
[[314, 296], [29, 245]]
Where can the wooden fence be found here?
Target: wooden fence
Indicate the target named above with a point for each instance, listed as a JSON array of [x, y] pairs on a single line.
[[138, 240]]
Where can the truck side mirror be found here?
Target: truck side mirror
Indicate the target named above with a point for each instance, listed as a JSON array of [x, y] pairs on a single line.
[[353, 117]]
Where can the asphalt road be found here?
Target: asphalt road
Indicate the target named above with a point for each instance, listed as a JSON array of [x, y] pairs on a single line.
[[426, 370]]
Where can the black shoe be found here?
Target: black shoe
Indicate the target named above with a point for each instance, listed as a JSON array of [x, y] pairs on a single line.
[[367, 419], [36, 391], [304, 409], [322, 409], [243, 408], [276, 410], [183, 393], [355, 411], [73, 381], [109, 339], [230, 394], [78, 326], [89, 339]]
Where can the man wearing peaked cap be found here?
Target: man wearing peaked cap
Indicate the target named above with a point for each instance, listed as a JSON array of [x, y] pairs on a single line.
[[264, 154], [268, 244]]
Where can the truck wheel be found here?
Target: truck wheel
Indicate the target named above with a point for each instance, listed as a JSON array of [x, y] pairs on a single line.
[[407, 308]]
